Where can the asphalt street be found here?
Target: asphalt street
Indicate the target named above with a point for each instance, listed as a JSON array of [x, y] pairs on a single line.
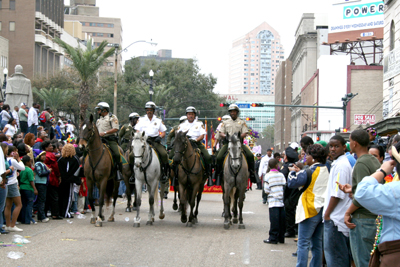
[[167, 242]]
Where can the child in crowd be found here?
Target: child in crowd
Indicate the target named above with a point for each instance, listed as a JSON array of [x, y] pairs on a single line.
[[274, 183], [41, 180], [82, 195], [28, 191]]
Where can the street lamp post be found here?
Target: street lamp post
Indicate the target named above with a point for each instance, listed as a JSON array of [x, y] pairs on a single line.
[[3, 89], [116, 67], [151, 91]]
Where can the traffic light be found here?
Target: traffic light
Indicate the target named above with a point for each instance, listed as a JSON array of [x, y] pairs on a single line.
[[345, 130], [254, 105], [250, 119], [219, 118], [224, 105], [318, 136]]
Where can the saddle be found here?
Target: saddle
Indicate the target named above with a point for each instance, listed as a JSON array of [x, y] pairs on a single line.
[[227, 154], [150, 142]]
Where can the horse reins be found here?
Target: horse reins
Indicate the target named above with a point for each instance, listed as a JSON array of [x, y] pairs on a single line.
[[88, 140], [149, 157], [188, 172], [231, 171]]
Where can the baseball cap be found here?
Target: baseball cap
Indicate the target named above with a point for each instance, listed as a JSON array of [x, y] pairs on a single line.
[[258, 155], [23, 104]]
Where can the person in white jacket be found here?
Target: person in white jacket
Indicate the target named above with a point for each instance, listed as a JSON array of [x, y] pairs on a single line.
[[33, 119], [264, 163]]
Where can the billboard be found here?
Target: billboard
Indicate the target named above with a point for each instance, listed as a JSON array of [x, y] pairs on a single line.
[[355, 16], [360, 119]]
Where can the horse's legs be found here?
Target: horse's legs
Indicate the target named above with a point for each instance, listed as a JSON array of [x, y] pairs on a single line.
[[182, 202], [227, 212], [241, 200], [90, 183], [234, 207], [199, 194], [162, 215], [175, 205], [192, 198], [152, 189], [138, 199], [100, 216], [115, 196]]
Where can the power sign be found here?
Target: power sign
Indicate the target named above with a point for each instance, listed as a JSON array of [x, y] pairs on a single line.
[[363, 10]]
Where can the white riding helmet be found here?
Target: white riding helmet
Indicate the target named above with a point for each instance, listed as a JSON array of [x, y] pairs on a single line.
[[150, 104], [183, 118], [133, 115], [191, 109], [233, 107], [103, 105], [226, 117]]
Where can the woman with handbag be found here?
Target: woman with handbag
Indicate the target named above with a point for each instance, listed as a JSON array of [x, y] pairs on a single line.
[[312, 185], [68, 165]]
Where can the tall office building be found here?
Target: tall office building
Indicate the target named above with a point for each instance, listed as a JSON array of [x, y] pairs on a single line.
[[30, 27], [254, 60], [98, 28]]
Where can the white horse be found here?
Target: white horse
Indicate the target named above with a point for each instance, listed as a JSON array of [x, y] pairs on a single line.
[[147, 170]]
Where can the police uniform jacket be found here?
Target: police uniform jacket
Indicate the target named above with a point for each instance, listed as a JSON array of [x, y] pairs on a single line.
[[150, 127], [194, 129], [126, 132], [107, 123], [233, 126]]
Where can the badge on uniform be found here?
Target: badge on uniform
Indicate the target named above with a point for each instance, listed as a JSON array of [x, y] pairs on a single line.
[[197, 127], [202, 126], [116, 121], [155, 123]]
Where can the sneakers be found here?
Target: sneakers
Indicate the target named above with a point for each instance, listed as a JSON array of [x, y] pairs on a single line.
[[45, 220], [33, 222], [14, 229]]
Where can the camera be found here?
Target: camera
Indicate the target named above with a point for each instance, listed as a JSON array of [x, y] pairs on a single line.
[[291, 165]]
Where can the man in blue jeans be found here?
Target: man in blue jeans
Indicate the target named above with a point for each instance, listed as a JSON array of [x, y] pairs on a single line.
[[360, 220], [336, 233]]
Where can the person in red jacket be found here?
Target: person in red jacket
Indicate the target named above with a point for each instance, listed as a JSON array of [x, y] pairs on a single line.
[[54, 180]]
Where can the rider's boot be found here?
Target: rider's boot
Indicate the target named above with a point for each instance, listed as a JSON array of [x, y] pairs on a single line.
[[119, 176], [218, 175], [209, 174], [132, 178], [165, 175]]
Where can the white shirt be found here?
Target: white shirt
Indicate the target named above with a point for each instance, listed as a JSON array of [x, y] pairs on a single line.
[[341, 171], [15, 116], [194, 129], [150, 127], [62, 126], [11, 130], [70, 129], [2, 164], [32, 117], [264, 165], [17, 166]]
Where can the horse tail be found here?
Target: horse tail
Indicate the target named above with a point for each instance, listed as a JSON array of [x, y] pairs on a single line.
[[109, 191], [232, 196]]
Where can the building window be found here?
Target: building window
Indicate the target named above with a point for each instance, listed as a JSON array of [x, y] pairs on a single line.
[[110, 64], [1, 2], [94, 34], [100, 34], [392, 35], [12, 4], [100, 25], [0, 26], [83, 23], [111, 35], [110, 25], [12, 26]]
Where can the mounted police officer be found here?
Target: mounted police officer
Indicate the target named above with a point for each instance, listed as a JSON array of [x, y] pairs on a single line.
[[125, 133], [155, 131], [218, 140], [107, 124], [196, 132], [232, 125], [172, 134]]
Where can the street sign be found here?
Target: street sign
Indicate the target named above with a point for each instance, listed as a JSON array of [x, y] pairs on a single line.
[[243, 105], [360, 119]]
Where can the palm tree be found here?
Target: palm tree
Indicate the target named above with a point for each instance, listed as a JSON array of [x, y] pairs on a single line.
[[54, 97], [86, 63]]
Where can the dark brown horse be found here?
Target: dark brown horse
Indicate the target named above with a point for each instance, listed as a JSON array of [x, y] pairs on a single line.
[[98, 169], [190, 177]]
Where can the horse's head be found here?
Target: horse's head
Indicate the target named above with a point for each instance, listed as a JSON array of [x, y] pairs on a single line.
[[139, 147], [86, 131], [234, 148], [180, 146]]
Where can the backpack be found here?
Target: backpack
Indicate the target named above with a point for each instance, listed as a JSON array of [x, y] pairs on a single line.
[[42, 117]]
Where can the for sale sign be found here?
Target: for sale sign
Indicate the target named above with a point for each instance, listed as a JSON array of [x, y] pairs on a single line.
[[364, 119]]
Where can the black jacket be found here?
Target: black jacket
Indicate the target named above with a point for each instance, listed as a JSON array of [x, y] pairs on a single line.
[[68, 167]]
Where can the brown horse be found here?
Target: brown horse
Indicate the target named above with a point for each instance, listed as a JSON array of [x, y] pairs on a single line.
[[98, 169], [190, 177]]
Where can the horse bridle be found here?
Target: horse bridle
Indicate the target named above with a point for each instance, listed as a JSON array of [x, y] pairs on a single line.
[[182, 153], [150, 158], [240, 159], [89, 139]]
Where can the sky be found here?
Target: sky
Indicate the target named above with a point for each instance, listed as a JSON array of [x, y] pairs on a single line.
[[204, 30]]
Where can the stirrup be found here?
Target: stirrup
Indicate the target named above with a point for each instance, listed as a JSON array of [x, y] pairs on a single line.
[[119, 176], [132, 179]]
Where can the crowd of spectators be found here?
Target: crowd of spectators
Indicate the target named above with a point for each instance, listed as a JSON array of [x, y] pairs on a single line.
[[339, 198]]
